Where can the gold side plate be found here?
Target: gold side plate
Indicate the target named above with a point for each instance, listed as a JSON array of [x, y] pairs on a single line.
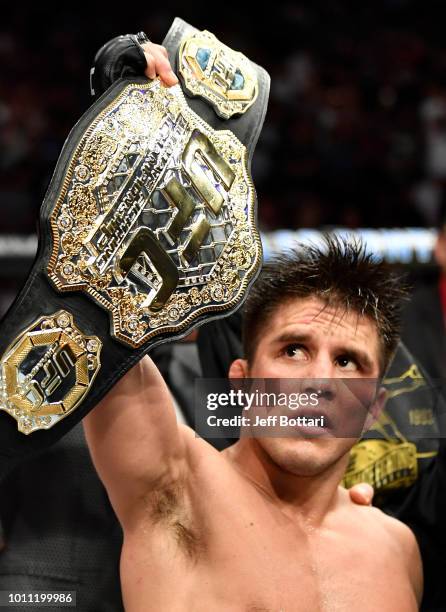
[[47, 371], [213, 71]]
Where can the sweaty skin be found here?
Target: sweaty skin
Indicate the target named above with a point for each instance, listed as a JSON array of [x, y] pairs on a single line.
[[263, 526]]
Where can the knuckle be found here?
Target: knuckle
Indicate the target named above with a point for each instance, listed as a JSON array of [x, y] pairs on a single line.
[[164, 64], [149, 59], [163, 50]]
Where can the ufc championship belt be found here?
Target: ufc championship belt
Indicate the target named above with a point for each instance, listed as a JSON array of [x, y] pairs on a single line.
[[148, 227]]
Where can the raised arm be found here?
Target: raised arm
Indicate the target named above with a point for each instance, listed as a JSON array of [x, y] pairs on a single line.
[[134, 439], [133, 435]]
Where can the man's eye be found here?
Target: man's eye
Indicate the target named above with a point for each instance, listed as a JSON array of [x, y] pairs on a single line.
[[347, 363], [295, 350]]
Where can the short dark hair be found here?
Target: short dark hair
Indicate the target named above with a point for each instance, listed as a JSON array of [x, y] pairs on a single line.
[[341, 273]]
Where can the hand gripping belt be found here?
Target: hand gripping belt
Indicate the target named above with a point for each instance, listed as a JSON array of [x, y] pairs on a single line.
[[147, 229]]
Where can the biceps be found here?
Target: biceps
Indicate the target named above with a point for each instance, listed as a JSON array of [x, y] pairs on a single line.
[[134, 439]]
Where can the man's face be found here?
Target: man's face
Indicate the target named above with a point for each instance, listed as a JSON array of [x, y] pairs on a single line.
[[326, 350]]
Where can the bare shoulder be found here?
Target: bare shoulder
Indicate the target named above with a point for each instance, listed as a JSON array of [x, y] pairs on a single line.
[[402, 539], [399, 533], [390, 536], [380, 524], [198, 451]]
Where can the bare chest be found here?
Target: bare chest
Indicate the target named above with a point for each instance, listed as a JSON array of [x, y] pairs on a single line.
[[246, 557], [274, 566]]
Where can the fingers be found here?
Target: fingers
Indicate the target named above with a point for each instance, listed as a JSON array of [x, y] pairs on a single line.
[[158, 64], [150, 71], [165, 71], [163, 50], [362, 494]]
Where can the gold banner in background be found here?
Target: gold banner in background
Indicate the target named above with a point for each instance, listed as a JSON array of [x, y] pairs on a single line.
[[387, 459]]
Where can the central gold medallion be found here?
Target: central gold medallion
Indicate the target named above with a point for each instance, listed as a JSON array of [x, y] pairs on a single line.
[[156, 219]]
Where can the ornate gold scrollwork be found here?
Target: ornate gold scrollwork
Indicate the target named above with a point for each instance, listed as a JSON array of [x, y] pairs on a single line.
[[161, 228]]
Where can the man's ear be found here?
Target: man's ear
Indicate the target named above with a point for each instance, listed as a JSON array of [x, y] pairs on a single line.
[[238, 369], [376, 408]]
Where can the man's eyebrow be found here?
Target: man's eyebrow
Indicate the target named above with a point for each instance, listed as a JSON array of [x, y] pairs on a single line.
[[354, 353], [293, 337], [359, 356]]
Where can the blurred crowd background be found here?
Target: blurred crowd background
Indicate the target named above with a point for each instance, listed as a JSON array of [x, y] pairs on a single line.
[[356, 129], [355, 134]]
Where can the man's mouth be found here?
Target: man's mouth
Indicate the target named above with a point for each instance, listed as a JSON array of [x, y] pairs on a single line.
[[311, 422]]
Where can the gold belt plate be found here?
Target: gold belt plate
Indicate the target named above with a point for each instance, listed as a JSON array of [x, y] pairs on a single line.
[[223, 77], [155, 219], [47, 371]]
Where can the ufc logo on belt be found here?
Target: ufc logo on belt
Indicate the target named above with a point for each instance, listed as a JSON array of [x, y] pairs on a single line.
[[208, 174]]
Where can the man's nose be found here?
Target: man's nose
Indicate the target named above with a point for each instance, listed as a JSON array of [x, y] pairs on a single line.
[[320, 379], [324, 388]]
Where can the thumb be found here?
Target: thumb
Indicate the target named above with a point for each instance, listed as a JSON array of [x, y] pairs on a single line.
[[362, 494]]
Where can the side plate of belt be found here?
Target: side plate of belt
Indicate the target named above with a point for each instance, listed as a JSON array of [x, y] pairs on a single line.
[[147, 229]]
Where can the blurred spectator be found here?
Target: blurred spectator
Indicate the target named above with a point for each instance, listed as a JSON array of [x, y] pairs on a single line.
[[424, 322], [356, 129]]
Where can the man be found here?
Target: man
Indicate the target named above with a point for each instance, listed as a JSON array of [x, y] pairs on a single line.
[[83, 520], [263, 525], [423, 329]]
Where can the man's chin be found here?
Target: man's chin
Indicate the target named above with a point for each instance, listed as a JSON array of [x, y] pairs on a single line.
[[303, 456]]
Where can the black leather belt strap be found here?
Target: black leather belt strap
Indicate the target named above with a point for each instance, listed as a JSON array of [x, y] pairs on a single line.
[[147, 229]]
